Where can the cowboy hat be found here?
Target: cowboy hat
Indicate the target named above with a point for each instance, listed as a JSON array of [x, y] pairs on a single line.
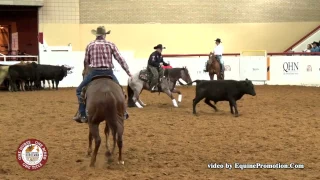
[[100, 31], [159, 46], [218, 40]]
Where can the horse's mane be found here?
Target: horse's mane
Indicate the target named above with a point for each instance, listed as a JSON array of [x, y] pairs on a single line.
[[212, 57]]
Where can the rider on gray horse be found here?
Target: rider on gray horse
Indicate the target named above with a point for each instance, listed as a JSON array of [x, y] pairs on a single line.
[[218, 51], [155, 64], [99, 56]]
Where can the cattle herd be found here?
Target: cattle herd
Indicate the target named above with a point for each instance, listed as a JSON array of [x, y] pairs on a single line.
[[28, 76]]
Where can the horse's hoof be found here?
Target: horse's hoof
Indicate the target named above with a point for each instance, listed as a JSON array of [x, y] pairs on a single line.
[[138, 104], [121, 162], [174, 102], [179, 98], [92, 165], [236, 115]]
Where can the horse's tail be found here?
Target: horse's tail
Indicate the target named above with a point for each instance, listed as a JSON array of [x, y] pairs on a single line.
[[195, 81], [130, 95]]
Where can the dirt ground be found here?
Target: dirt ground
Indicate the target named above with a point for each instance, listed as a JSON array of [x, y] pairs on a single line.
[[281, 124]]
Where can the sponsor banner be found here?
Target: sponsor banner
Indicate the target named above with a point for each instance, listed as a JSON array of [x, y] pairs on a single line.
[[285, 70], [254, 68], [310, 71]]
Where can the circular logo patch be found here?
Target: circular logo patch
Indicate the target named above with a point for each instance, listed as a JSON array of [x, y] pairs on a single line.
[[32, 154], [227, 68]]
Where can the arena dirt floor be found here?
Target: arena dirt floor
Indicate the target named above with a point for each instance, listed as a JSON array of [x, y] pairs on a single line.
[[281, 124]]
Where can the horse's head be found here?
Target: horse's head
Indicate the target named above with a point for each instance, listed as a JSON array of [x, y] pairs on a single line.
[[184, 75], [212, 57]]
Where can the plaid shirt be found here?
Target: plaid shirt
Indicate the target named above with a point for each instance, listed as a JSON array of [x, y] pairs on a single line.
[[99, 54]]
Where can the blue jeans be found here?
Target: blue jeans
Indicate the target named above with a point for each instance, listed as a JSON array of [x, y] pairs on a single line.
[[219, 58], [87, 79]]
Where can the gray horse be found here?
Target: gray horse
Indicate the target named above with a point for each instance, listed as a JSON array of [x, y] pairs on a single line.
[[140, 81]]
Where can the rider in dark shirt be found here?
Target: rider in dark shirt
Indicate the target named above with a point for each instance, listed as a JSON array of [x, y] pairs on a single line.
[[155, 64]]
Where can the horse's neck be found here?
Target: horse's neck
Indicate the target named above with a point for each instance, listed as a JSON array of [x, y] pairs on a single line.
[[176, 76]]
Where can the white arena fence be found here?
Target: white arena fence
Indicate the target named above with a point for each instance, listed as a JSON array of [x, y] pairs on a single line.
[[271, 70], [8, 59]]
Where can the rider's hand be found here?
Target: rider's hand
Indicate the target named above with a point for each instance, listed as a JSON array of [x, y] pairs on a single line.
[[130, 75]]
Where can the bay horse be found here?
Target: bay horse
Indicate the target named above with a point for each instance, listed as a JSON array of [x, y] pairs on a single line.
[[105, 101], [214, 67], [140, 81]]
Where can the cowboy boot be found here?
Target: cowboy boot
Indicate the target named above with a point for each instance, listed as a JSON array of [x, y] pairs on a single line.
[[81, 118], [77, 116]]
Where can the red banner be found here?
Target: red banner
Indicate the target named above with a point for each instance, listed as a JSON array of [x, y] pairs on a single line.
[[40, 37]]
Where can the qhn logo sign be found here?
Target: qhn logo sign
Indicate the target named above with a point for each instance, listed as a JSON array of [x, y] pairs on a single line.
[[290, 68]]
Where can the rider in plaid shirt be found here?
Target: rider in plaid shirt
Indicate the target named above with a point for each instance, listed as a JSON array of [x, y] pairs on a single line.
[[99, 57]]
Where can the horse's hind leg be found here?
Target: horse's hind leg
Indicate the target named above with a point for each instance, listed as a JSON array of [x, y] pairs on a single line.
[[140, 101], [179, 94], [136, 98], [94, 129], [114, 133], [169, 93], [108, 153], [120, 129], [90, 144]]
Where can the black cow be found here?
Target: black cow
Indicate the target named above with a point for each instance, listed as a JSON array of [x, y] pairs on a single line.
[[222, 90], [53, 73], [26, 73]]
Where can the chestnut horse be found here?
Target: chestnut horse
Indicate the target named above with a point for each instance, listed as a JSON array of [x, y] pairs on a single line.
[[105, 101], [214, 67]]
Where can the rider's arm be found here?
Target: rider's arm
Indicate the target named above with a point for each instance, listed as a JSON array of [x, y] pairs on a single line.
[[164, 63], [86, 57], [120, 59]]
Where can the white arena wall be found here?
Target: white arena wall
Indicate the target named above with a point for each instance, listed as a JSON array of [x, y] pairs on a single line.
[[283, 70]]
